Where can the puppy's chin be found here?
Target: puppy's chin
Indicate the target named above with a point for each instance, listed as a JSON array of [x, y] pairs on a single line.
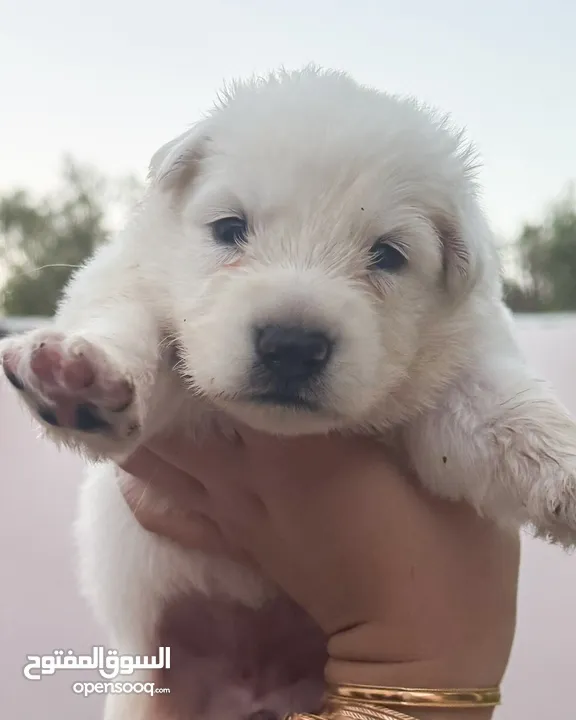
[[278, 420]]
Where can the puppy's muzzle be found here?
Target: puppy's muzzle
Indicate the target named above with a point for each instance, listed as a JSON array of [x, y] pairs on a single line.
[[288, 359]]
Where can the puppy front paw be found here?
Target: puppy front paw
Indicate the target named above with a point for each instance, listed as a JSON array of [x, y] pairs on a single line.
[[74, 388], [552, 505], [543, 456]]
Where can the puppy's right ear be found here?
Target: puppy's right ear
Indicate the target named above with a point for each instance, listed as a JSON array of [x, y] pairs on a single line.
[[175, 164]]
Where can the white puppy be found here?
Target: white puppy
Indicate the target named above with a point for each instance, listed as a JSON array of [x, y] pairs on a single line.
[[310, 257]]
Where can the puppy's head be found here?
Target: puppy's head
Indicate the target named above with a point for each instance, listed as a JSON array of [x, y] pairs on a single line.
[[323, 241]]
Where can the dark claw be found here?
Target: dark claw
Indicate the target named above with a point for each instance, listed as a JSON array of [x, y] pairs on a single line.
[[14, 380], [88, 420], [48, 416]]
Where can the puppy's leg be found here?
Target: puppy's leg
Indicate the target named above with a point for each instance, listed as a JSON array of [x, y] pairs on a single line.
[[126, 574], [130, 577], [90, 377], [117, 580], [500, 440]]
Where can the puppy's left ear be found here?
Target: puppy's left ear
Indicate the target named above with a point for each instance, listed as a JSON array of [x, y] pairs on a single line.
[[175, 164], [467, 250]]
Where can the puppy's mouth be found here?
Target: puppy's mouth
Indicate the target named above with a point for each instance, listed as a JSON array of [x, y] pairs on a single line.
[[271, 399], [284, 400], [278, 411]]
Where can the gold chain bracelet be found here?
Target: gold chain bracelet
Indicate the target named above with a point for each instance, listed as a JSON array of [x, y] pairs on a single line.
[[366, 702], [355, 712]]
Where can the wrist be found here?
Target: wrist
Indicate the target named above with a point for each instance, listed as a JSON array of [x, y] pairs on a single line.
[[371, 654], [406, 675], [372, 689], [364, 656]]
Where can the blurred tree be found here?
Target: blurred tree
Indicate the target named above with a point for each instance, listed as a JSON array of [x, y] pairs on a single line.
[[546, 258], [43, 241], [521, 299]]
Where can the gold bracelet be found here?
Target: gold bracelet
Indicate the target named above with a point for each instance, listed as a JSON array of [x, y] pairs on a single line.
[[414, 697], [354, 712], [367, 702]]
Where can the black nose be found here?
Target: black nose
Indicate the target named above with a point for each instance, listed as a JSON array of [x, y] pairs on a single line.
[[292, 353]]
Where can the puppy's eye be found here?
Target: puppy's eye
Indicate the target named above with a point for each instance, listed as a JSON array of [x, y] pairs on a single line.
[[384, 255], [229, 231]]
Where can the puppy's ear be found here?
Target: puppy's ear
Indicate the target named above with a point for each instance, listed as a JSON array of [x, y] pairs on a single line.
[[466, 249], [175, 164]]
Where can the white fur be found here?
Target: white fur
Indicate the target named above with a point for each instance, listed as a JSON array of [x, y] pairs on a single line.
[[426, 358]]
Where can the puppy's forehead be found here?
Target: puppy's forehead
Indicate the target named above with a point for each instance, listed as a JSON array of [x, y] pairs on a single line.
[[282, 180], [318, 156]]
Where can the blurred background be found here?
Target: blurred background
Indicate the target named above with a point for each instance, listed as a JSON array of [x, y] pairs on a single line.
[[87, 94]]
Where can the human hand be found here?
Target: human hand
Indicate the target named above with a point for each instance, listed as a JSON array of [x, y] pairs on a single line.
[[410, 590]]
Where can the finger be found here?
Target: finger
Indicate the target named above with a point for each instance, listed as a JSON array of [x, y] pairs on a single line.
[[191, 531], [315, 449], [183, 523], [214, 456], [220, 494], [161, 476]]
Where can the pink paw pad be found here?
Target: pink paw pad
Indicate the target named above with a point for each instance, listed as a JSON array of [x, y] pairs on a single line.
[[51, 367], [71, 387]]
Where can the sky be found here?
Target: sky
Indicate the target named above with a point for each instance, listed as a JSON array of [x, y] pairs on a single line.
[[110, 82]]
